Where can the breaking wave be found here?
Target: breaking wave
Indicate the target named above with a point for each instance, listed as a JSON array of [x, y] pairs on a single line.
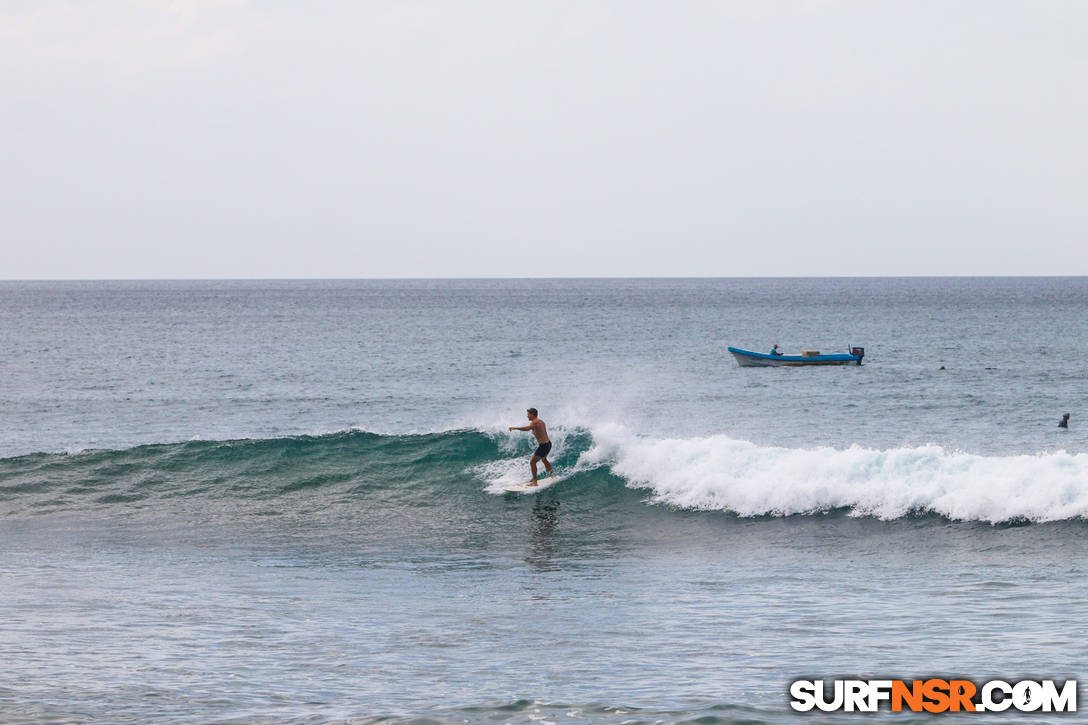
[[711, 473], [720, 473]]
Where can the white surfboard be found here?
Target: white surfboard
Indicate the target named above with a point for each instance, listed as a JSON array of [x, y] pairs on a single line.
[[541, 484]]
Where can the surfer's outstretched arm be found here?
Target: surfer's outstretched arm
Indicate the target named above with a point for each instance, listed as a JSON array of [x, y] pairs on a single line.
[[524, 427]]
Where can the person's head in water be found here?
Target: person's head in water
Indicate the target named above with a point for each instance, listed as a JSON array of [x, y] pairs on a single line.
[[532, 413]]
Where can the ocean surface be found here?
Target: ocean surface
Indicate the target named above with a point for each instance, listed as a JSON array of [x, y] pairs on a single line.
[[281, 501]]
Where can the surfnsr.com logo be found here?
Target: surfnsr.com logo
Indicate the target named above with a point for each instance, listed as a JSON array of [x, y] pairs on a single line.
[[934, 695]]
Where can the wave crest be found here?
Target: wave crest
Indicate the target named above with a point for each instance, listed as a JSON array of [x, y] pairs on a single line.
[[721, 473], [701, 473]]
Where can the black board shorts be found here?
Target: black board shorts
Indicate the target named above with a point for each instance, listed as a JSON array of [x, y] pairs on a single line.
[[543, 449]]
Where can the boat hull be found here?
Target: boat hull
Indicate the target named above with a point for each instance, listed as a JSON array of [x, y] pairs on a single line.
[[749, 359]]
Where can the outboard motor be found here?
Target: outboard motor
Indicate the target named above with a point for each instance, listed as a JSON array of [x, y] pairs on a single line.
[[859, 352]]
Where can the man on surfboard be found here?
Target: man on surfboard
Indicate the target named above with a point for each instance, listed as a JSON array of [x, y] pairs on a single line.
[[544, 447]]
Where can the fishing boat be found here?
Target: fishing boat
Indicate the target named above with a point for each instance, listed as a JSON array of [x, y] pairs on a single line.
[[749, 359]]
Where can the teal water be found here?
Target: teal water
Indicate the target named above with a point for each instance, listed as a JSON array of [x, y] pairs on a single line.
[[281, 502]]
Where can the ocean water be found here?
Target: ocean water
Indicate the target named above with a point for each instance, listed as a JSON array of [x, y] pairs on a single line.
[[280, 501]]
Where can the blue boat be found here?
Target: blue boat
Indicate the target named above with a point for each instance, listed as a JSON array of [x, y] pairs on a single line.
[[749, 359]]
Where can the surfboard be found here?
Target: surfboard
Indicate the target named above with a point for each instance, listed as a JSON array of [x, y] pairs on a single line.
[[541, 484]]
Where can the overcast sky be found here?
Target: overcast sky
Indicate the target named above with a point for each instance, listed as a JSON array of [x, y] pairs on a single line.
[[226, 138]]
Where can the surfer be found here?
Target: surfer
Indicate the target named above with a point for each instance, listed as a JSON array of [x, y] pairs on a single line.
[[1064, 422], [544, 446]]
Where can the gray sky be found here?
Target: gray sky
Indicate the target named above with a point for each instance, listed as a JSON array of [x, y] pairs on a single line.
[[226, 138]]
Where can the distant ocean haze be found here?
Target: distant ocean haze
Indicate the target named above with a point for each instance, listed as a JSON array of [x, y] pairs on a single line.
[[115, 364]]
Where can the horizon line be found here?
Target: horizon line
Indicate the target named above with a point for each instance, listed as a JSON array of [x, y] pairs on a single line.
[[523, 277]]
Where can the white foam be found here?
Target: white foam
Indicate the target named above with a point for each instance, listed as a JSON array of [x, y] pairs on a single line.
[[721, 473], [502, 473]]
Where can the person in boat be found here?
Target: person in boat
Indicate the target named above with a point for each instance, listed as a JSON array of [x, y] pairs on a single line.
[[1064, 422], [775, 350], [544, 445]]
